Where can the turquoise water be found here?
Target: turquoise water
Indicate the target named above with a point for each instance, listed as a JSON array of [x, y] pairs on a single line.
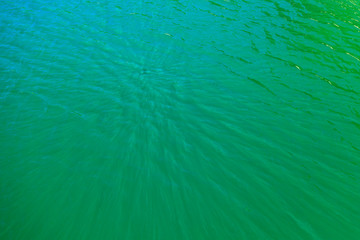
[[180, 119]]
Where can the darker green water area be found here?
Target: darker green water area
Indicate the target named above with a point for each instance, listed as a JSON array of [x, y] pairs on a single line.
[[219, 119]]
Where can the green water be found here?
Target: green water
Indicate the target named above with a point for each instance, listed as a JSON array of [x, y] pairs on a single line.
[[180, 119]]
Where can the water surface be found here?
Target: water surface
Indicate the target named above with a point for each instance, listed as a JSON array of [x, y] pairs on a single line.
[[180, 119]]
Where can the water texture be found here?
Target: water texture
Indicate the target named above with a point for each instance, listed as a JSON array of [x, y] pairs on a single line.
[[219, 119]]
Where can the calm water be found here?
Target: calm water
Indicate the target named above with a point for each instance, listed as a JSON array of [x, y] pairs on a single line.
[[180, 119]]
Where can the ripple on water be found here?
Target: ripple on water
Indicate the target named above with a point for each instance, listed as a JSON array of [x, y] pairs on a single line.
[[179, 120]]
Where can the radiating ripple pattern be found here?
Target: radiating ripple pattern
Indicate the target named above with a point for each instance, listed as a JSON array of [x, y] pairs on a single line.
[[208, 119]]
